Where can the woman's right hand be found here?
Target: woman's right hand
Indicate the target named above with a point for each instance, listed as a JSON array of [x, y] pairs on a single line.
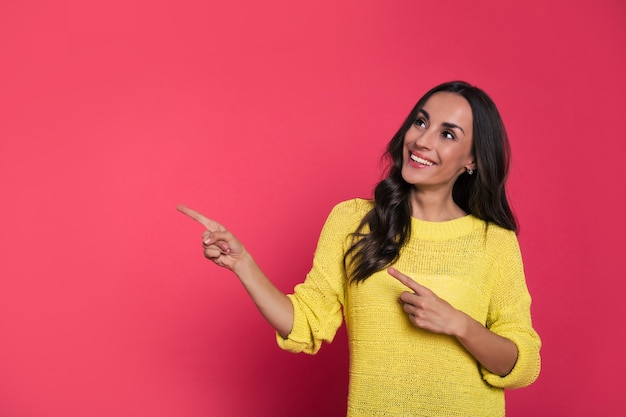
[[225, 250], [220, 246]]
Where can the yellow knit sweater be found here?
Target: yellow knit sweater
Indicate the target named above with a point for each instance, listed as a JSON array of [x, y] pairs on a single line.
[[397, 369]]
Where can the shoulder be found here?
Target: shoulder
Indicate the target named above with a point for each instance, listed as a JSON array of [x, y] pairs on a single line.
[[498, 235], [347, 215], [495, 240], [501, 243], [356, 207]]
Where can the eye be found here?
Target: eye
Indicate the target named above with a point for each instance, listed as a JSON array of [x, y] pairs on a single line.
[[448, 135], [420, 122]]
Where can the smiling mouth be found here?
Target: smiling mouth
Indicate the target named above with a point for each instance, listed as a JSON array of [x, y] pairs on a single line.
[[421, 161]]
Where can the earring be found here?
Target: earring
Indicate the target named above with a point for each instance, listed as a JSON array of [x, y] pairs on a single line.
[[470, 171]]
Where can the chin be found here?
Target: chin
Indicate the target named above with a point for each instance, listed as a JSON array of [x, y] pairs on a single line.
[[410, 180]]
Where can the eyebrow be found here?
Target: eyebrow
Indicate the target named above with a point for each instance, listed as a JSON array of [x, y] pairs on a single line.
[[444, 124]]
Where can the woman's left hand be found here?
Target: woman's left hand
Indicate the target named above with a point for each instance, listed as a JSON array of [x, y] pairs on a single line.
[[426, 310]]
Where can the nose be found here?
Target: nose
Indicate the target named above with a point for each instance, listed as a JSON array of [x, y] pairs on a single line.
[[425, 139]]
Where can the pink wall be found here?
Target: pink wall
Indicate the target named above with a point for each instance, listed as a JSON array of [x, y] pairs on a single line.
[[264, 115]]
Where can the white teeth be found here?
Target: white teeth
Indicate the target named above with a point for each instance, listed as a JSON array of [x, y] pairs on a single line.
[[420, 160]]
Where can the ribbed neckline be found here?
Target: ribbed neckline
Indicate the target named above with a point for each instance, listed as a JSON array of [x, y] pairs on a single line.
[[450, 229]]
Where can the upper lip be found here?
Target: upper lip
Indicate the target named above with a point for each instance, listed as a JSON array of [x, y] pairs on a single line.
[[419, 155]]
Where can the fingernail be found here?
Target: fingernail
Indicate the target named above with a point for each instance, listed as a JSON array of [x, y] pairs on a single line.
[[207, 241]]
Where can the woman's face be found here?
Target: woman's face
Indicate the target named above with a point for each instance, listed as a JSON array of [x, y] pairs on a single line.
[[438, 146]]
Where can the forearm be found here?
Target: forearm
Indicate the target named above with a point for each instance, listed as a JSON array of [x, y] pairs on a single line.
[[275, 306], [496, 353]]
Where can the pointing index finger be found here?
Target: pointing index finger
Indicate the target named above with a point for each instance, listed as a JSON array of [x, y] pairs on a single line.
[[407, 281], [200, 218]]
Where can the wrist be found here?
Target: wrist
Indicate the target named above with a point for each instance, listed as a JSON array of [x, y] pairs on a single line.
[[244, 265], [462, 326]]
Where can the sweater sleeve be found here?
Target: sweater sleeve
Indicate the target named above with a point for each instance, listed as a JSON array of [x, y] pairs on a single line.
[[318, 301], [509, 315]]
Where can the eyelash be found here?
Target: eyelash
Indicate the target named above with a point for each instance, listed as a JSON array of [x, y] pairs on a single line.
[[446, 133]]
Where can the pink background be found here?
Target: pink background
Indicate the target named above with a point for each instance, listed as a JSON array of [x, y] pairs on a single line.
[[264, 115]]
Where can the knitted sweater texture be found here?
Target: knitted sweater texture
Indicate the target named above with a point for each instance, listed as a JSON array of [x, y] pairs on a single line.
[[397, 369]]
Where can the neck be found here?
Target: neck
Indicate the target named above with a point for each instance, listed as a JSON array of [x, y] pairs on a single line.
[[434, 207]]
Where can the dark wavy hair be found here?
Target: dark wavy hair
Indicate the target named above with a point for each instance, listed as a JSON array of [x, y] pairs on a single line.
[[387, 227]]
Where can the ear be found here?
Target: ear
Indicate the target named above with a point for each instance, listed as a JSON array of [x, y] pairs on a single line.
[[471, 165]]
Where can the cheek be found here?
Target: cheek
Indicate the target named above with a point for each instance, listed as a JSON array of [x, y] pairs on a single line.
[[405, 147], [462, 155], [411, 134], [406, 139], [469, 156]]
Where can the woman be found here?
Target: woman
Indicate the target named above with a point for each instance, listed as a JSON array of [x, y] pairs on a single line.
[[440, 224]]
